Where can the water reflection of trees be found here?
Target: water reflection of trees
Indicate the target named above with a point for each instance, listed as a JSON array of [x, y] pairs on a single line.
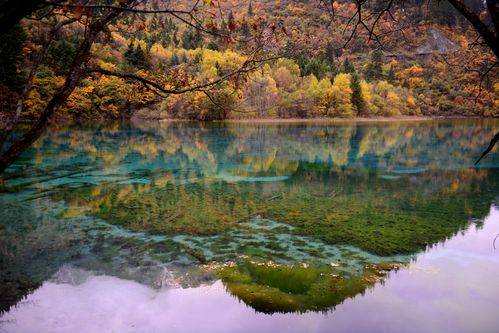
[[245, 149], [32, 247]]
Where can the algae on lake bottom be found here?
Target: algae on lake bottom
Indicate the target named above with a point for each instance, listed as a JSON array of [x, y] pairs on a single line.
[[271, 288], [381, 216]]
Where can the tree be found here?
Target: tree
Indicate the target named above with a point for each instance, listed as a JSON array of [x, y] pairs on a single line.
[[391, 75], [129, 53], [317, 67], [341, 95], [329, 56], [135, 56], [347, 66], [374, 69], [213, 45], [250, 9], [329, 52], [261, 92], [357, 99], [140, 58], [191, 39], [94, 18], [245, 29], [11, 54], [174, 61], [60, 53]]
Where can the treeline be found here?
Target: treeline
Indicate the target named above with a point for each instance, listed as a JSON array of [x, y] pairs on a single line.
[[281, 90]]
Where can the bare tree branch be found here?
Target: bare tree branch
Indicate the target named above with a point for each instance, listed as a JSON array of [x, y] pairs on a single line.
[[247, 67]]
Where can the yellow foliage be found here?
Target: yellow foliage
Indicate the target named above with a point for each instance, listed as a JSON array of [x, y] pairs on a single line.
[[157, 50], [341, 95]]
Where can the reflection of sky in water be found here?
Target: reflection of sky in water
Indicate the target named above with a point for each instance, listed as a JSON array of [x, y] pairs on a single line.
[[451, 288]]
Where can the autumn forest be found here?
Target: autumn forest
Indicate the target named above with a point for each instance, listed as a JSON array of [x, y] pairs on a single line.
[[235, 166], [268, 59]]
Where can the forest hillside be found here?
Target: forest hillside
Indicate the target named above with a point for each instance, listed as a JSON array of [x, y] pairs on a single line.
[[311, 63]]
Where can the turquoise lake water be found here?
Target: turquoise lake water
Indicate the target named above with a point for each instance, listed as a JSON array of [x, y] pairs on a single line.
[[239, 227]]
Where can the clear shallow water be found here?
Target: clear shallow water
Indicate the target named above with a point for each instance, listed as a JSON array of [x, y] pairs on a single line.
[[177, 227]]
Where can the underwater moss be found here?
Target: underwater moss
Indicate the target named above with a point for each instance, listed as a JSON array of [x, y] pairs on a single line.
[[199, 255], [270, 288], [376, 215]]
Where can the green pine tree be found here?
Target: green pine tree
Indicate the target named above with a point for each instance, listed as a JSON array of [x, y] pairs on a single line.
[[250, 9], [191, 39], [245, 29], [329, 55], [357, 99], [347, 66], [139, 58], [374, 69], [174, 61], [11, 55], [213, 45], [391, 75]]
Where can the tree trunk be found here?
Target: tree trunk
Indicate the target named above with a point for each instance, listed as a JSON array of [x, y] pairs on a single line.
[[72, 79]]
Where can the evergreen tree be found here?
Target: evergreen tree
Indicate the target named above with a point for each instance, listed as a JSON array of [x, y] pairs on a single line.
[[129, 53], [174, 61], [135, 56], [318, 67], [391, 75], [165, 39], [61, 53], [250, 9], [191, 39], [329, 52], [11, 55], [197, 58], [175, 38], [139, 58], [329, 58], [374, 69], [347, 66], [219, 69], [357, 98], [213, 45], [245, 29]]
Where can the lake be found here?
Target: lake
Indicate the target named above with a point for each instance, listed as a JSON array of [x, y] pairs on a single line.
[[240, 227]]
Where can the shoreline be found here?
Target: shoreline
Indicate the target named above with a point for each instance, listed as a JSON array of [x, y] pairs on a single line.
[[317, 120]]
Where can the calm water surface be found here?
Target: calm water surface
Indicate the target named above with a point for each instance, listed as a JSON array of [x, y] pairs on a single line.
[[179, 227]]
